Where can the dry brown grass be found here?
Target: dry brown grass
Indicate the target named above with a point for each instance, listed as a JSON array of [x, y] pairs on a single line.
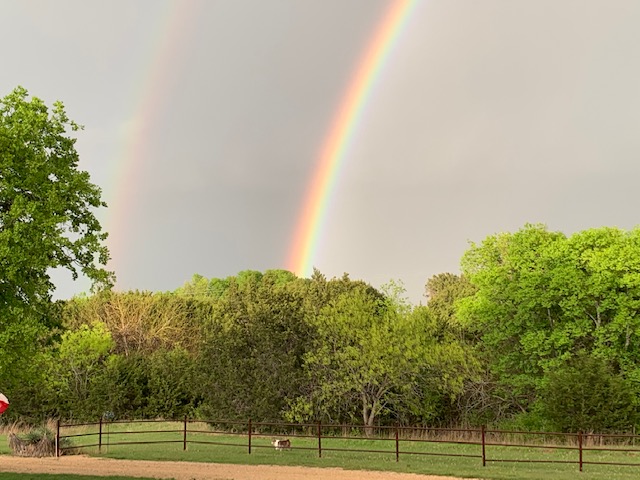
[[25, 441]]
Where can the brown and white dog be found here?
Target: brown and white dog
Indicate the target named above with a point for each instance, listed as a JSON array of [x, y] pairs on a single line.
[[281, 444]]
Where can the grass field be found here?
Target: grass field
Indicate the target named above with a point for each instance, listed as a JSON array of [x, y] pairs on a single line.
[[305, 453], [415, 457]]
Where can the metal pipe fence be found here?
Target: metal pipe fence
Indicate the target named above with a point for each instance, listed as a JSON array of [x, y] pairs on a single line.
[[492, 445]]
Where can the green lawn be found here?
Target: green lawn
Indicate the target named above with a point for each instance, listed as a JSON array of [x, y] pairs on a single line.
[[305, 452], [416, 457]]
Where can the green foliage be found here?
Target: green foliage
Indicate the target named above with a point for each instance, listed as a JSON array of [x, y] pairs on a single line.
[[123, 387], [542, 297], [74, 368], [586, 395], [46, 222], [344, 362], [214, 288], [46, 203], [172, 384], [143, 322], [36, 435], [443, 292], [374, 357], [253, 348], [540, 331], [201, 287]]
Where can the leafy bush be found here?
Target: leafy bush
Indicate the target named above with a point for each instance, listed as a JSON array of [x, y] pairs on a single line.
[[585, 394]]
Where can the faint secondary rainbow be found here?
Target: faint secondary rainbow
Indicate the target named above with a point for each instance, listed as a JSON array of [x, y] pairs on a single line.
[[150, 87], [341, 132]]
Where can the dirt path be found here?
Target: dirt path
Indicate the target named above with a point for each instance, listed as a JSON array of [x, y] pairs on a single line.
[[191, 470]]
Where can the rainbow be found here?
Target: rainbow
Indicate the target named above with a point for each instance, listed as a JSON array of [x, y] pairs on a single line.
[[341, 132], [159, 59]]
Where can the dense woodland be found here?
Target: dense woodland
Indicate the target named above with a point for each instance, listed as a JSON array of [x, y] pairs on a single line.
[[539, 331]]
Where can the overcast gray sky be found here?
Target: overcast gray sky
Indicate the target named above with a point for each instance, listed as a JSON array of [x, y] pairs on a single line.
[[204, 120]]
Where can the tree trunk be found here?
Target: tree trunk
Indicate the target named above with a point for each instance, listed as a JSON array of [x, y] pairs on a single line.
[[369, 413], [368, 416]]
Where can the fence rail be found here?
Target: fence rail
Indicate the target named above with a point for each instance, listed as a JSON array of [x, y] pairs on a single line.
[[401, 436]]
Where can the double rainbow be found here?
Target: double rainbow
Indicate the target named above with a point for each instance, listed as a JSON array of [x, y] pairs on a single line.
[[171, 23]]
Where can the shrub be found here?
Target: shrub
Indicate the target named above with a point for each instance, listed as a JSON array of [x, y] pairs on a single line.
[[586, 394]]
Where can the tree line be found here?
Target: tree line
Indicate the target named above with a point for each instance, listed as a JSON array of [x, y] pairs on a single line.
[[269, 346], [539, 331]]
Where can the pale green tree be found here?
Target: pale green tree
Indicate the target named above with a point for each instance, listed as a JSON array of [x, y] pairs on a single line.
[[74, 366], [371, 357]]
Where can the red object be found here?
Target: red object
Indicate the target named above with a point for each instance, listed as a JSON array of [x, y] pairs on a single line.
[[4, 403]]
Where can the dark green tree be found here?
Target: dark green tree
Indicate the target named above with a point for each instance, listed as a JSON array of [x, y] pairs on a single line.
[[586, 394], [254, 344]]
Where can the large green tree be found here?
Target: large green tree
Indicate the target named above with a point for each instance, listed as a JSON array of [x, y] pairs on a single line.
[[254, 343], [73, 368], [47, 220], [543, 298], [373, 356]]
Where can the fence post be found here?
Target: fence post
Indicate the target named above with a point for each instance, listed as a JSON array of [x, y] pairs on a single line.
[[319, 439], [184, 438], [397, 445], [249, 436], [100, 436], [580, 448], [58, 438], [484, 453]]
